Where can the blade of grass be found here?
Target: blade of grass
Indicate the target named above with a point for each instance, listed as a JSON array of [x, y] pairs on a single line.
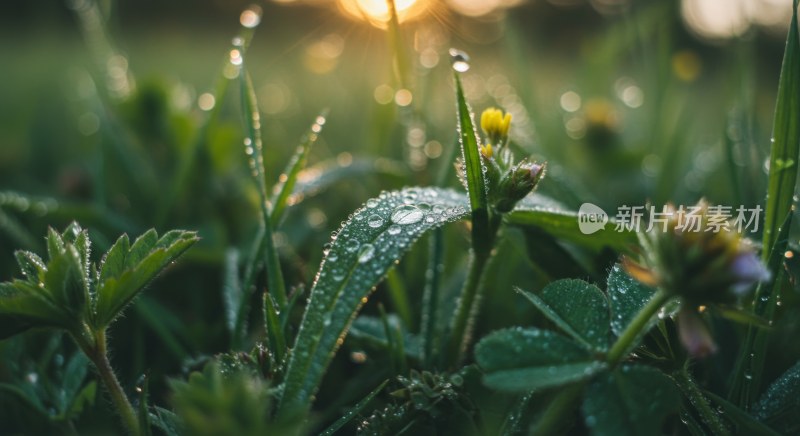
[[476, 183], [253, 148], [347, 417], [288, 179], [399, 295], [272, 323], [779, 210], [785, 141]]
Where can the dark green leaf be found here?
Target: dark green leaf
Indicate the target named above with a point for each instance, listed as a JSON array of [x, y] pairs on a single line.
[[520, 360], [114, 261], [22, 306], [365, 248], [631, 400], [66, 282], [627, 297], [538, 211], [747, 423], [578, 308], [147, 257], [779, 407], [31, 266]]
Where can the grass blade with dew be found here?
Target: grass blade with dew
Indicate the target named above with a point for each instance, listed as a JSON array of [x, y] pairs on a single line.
[[355, 410], [777, 214], [359, 256], [253, 148], [249, 20], [476, 182], [288, 179]]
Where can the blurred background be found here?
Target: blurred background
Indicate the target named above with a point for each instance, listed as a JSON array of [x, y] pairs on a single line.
[[123, 115]]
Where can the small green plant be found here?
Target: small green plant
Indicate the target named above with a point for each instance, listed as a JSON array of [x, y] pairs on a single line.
[[69, 292]]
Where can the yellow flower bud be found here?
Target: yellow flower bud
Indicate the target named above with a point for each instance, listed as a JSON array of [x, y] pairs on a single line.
[[495, 125]]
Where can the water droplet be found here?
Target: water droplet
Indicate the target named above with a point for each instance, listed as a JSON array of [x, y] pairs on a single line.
[[393, 229], [375, 221], [351, 245], [366, 254], [371, 203], [459, 60], [251, 17], [406, 214]]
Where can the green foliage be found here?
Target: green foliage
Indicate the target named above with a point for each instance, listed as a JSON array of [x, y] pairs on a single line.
[[630, 400], [779, 407], [361, 253], [215, 401], [521, 360]]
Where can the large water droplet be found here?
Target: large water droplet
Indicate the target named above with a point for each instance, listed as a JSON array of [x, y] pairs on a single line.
[[393, 229], [459, 60], [366, 254], [406, 214], [375, 221], [351, 245], [371, 203]]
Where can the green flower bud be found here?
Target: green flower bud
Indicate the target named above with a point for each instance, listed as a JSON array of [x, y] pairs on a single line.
[[516, 183]]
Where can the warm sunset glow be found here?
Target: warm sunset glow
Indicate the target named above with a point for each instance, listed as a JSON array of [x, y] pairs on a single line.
[[377, 11]]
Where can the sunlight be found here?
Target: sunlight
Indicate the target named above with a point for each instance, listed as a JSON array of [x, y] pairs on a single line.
[[376, 12]]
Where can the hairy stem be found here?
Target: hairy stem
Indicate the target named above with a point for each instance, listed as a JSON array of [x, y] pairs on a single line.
[[97, 353]]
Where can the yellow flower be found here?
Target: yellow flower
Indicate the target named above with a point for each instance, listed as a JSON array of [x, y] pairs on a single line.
[[495, 124]]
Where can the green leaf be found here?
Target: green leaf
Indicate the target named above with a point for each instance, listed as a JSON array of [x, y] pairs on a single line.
[[779, 407], [548, 215], [578, 308], [66, 281], [627, 297], [631, 400], [113, 263], [147, 257], [369, 332], [362, 252], [287, 180], [31, 266], [520, 360], [476, 182], [55, 245], [23, 306], [748, 424], [358, 408]]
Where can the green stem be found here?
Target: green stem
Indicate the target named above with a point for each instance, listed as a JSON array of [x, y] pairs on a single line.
[[466, 310], [700, 403], [622, 346], [97, 353], [554, 417]]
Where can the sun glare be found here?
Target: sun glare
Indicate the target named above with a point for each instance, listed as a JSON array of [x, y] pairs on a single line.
[[377, 11]]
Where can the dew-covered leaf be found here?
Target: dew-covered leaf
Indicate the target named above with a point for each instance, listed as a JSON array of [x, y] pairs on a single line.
[[631, 400], [779, 406], [147, 257], [520, 360], [578, 308], [31, 265], [65, 280], [360, 255], [627, 297], [355, 410], [539, 211]]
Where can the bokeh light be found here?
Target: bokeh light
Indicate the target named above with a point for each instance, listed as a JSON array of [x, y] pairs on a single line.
[[377, 13]]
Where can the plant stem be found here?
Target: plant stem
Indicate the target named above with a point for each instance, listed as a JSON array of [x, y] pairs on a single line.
[[554, 416], [97, 353], [466, 310], [620, 348], [700, 403]]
